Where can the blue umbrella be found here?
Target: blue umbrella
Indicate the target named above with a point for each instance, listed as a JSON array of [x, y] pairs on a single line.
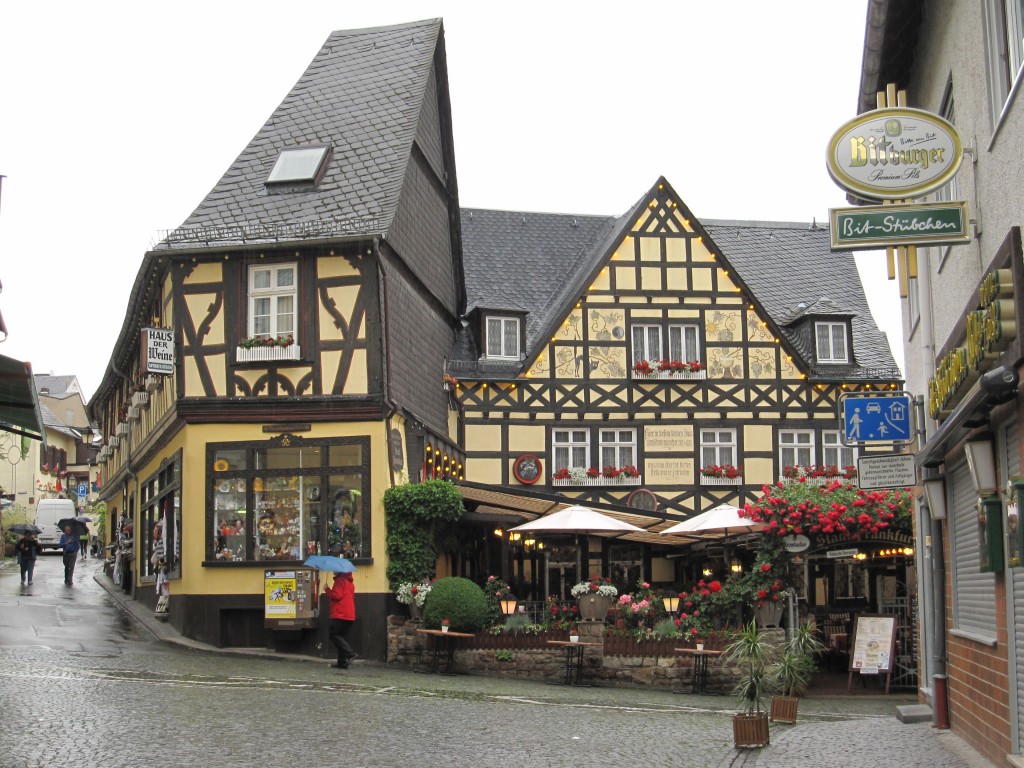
[[330, 563]]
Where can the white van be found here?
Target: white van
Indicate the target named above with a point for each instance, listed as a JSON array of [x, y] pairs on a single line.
[[48, 512]]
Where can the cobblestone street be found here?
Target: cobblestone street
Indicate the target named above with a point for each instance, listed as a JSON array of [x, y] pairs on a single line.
[[83, 682]]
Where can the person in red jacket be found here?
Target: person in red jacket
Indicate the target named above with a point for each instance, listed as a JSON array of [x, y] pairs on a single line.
[[342, 594]]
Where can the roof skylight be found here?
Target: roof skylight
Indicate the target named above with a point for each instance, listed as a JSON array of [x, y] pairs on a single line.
[[298, 164]]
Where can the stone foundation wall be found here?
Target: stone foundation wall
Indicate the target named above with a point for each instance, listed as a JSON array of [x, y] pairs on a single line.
[[669, 671]]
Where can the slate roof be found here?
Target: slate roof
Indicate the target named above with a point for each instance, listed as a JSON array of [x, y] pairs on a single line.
[[53, 424], [362, 94], [58, 387], [541, 262]]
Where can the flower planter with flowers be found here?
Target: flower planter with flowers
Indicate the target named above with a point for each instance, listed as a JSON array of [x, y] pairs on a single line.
[[669, 369], [594, 598], [445, 625], [267, 348], [414, 594], [721, 474], [628, 475]]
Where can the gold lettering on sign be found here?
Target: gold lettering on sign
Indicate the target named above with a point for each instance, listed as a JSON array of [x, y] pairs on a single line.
[[988, 331], [659, 439]]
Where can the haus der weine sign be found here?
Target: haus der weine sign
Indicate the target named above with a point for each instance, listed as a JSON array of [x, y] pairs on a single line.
[[157, 349], [894, 153]]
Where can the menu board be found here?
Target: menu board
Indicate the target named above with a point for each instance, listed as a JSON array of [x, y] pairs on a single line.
[[874, 640]]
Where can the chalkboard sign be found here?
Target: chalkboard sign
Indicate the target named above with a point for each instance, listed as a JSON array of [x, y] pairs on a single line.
[[874, 641]]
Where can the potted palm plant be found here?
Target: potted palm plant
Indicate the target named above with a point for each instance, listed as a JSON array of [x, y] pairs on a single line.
[[791, 672], [751, 648]]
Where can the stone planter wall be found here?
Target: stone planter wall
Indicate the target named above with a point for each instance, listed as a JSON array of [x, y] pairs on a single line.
[[653, 664]]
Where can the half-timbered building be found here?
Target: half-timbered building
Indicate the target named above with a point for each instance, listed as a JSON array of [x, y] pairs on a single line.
[[653, 364], [328, 323]]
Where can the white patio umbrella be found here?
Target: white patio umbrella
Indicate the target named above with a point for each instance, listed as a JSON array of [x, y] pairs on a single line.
[[579, 520], [723, 519]]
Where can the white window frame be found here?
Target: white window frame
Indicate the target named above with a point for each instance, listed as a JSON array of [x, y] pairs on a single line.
[[503, 324], [685, 336], [796, 445], [1003, 29], [619, 442], [645, 348], [570, 448], [275, 293], [824, 331], [834, 453], [718, 446]]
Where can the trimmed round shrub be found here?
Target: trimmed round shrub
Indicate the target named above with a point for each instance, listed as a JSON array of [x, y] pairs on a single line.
[[460, 601]]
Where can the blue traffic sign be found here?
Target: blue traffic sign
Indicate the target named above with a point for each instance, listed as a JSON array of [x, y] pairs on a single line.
[[82, 489], [877, 418]]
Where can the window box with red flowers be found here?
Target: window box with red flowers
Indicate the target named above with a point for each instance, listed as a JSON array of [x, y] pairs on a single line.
[[267, 348], [609, 475], [819, 474], [669, 369], [721, 474]]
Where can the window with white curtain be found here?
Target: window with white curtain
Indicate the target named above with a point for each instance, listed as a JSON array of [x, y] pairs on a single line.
[[570, 448], [717, 447], [273, 300], [830, 342], [503, 338], [618, 447], [796, 448], [834, 453]]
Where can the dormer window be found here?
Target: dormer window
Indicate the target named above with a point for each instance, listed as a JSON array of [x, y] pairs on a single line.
[[298, 165], [830, 342], [502, 342]]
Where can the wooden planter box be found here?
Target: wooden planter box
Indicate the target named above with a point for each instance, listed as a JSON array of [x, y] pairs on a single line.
[[784, 709], [750, 730]]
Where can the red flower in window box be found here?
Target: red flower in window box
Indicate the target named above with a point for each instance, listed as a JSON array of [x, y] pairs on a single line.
[[593, 472], [562, 474], [643, 368]]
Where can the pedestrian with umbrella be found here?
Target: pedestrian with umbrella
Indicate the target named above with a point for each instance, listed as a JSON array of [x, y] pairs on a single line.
[[69, 544], [27, 549], [341, 593]]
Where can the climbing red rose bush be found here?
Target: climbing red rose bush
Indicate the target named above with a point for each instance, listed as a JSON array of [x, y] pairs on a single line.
[[794, 506]]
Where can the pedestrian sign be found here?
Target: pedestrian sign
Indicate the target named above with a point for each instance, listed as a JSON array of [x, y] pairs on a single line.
[[876, 418]]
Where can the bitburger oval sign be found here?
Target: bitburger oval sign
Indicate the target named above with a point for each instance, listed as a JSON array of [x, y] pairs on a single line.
[[894, 153]]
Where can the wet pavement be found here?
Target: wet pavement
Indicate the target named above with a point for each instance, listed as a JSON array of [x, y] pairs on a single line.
[[90, 678]]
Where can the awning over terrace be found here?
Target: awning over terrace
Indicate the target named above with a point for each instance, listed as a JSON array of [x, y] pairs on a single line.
[[19, 405]]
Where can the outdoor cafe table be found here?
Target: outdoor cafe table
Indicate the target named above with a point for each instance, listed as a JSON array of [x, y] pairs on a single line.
[[700, 666], [573, 661], [443, 641]]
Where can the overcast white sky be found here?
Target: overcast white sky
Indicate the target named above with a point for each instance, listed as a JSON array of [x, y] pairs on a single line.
[[116, 119]]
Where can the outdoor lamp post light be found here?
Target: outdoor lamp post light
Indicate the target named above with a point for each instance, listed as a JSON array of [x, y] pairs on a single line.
[[736, 566], [508, 604], [671, 604], [935, 495], [982, 466]]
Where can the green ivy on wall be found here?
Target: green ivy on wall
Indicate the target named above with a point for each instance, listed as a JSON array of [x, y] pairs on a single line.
[[418, 516]]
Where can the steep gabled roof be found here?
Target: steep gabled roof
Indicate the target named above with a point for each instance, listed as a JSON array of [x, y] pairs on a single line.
[[544, 262], [362, 95]]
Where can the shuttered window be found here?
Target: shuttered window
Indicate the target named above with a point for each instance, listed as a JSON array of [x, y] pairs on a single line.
[[974, 600]]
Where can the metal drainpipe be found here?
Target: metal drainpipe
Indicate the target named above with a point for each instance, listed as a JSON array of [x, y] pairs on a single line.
[[935, 623]]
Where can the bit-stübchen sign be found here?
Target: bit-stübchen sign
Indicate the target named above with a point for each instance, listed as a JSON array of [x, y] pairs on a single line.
[[894, 153]]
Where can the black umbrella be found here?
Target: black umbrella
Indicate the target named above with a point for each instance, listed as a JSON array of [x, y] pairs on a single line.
[[22, 528], [78, 528]]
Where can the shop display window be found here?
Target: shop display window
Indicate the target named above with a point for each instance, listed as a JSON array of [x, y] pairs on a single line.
[[285, 499]]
